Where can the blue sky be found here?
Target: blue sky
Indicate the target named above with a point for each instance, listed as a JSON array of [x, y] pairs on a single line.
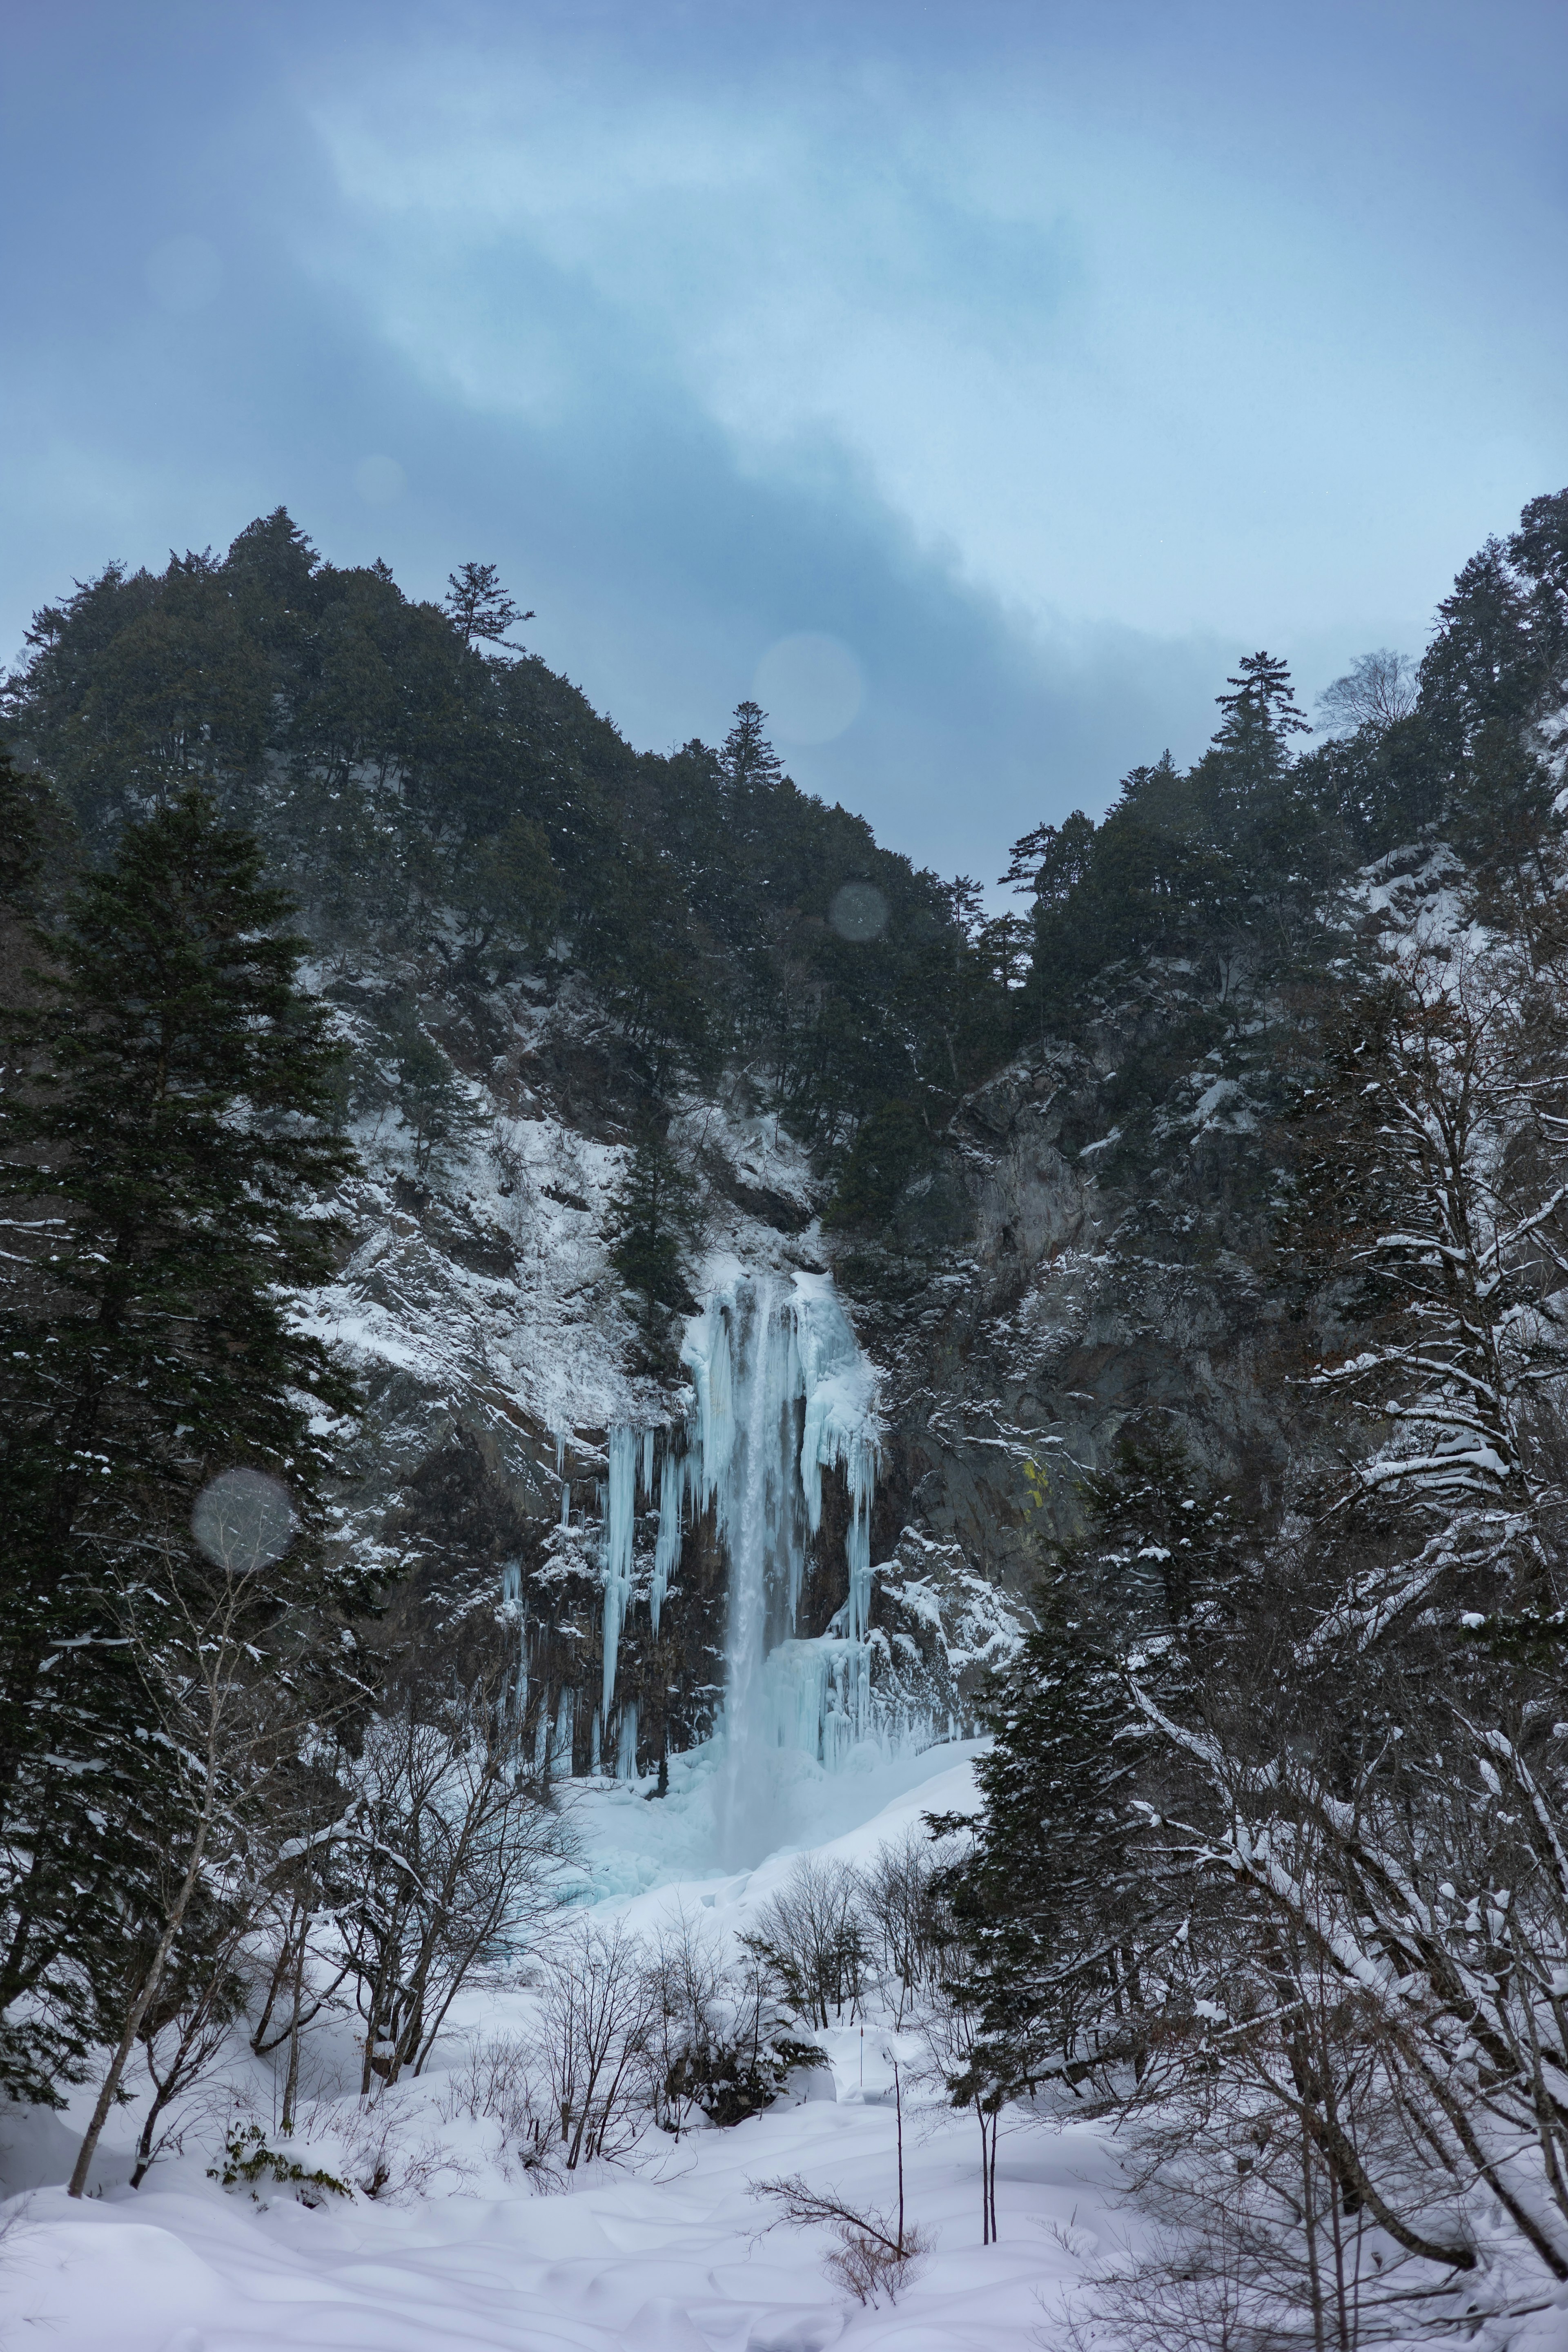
[[973, 381]]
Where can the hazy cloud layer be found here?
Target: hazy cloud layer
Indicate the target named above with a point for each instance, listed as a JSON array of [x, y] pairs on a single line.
[[987, 379]]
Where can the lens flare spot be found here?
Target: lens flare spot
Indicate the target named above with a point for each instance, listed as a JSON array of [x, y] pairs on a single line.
[[243, 1520], [810, 685], [859, 911], [380, 481]]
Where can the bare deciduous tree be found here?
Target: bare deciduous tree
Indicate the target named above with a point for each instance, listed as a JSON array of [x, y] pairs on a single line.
[[951, 2024], [1377, 688], [810, 1935], [599, 2021], [900, 1890], [447, 1854]]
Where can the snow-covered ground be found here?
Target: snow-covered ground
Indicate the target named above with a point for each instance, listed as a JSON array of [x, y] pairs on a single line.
[[669, 2253]]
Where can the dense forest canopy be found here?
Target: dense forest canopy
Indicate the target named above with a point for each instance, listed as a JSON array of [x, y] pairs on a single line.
[[1230, 861], [421, 785], [422, 788]]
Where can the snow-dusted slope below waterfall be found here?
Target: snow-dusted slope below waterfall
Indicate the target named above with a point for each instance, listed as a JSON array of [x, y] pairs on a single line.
[[669, 2253]]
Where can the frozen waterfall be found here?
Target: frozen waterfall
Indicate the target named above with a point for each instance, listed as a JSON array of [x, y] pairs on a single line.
[[781, 1394]]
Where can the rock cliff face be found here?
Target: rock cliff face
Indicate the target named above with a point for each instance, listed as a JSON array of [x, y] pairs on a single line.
[[1090, 1282], [1082, 1259], [498, 1352], [1093, 1256]]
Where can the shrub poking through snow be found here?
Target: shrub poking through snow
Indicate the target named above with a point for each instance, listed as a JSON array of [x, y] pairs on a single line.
[[874, 2251], [499, 2085], [719, 2041], [809, 1935], [248, 2158]]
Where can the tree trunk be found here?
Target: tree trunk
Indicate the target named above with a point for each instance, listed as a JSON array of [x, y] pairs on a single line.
[[138, 2010]]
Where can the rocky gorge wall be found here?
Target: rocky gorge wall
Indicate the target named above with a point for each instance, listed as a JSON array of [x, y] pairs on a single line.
[[1065, 1273]]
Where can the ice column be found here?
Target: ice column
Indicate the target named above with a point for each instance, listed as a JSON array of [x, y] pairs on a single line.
[[561, 1745], [839, 1430], [627, 1744], [620, 1520], [672, 1478], [512, 1601], [782, 1394], [754, 1521]]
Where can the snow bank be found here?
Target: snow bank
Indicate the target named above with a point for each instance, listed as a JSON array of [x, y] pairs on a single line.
[[670, 2255]]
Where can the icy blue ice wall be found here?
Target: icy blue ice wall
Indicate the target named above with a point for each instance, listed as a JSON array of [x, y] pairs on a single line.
[[781, 1393]]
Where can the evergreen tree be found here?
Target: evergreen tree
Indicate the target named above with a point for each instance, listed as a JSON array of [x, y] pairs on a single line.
[[1260, 698], [1539, 551], [1058, 1894], [424, 1089], [1505, 823], [1377, 789], [892, 1145], [748, 758], [1049, 1896], [1157, 1545], [478, 605], [167, 1131], [1481, 663], [1003, 945], [1051, 860], [506, 888], [21, 834], [654, 1215]]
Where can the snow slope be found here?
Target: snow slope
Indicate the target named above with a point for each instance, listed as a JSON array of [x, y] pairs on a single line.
[[669, 2254]]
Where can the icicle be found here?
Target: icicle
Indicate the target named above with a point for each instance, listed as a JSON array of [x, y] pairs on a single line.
[[562, 1745], [858, 1540], [627, 1746], [511, 1598], [706, 1352], [594, 1748], [620, 1523], [751, 1517], [672, 1480], [647, 1463]]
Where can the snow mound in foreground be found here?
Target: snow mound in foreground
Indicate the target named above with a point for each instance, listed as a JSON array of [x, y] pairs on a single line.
[[667, 2254]]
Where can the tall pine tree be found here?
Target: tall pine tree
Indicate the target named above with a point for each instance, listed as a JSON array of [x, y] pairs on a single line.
[[168, 1128], [654, 1215]]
